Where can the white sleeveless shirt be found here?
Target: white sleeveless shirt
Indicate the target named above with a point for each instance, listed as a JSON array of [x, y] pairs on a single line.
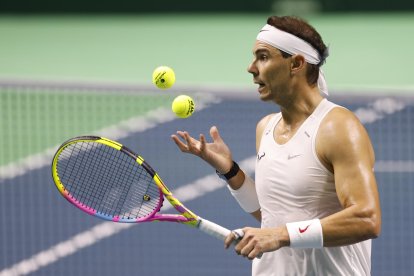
[[293, 185]]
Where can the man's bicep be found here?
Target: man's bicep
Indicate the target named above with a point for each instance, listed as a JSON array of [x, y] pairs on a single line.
[[353, 163], [349, 151]]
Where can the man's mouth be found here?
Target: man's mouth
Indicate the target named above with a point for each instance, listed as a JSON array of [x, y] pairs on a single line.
[[260, 84]]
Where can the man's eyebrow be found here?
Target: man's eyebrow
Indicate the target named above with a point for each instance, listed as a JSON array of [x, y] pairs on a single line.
[[261, 51]]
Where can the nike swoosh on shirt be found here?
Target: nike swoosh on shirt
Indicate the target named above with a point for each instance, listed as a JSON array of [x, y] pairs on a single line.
[[293, 156]]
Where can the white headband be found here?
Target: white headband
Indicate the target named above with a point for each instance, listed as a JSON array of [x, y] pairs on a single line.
[[293, 45]]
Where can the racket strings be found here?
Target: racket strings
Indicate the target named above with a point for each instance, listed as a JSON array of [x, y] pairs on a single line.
[[76, 172], [107, 180]]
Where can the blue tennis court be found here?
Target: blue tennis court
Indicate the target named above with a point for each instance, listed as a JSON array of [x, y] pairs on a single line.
[[43, 233]]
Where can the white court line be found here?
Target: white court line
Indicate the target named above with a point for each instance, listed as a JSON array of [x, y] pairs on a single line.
[[107, 229], [394, 166], [374, 112], [370, 114], [120, 130], [379, 109]]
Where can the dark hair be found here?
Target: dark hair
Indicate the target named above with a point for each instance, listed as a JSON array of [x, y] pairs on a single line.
[[300, 28]]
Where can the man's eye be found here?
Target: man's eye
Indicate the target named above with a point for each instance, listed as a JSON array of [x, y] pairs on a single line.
[[263, 57]]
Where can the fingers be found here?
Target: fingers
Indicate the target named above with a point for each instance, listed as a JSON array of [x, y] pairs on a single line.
[[183, 147], [214, 133], [186, 143], [240, 243], [229, 240], [233, 238], [202, 143], [255, 254], [246, 244]]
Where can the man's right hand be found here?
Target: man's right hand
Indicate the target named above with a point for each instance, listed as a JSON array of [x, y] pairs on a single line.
[[217, 153]]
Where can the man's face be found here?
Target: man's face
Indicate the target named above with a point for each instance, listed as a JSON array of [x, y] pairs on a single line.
[[270, 71]]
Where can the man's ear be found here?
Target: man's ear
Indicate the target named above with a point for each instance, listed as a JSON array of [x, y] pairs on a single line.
[[297, 63]]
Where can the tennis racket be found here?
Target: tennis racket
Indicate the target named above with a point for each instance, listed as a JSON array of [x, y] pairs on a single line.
[[106, 179]]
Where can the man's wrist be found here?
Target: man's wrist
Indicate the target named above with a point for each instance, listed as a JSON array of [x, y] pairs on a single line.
[[243, 189], [305, 234], [231, 173], [284, 237]]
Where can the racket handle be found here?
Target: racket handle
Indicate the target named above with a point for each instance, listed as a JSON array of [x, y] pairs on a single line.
[[220, 232], [213, 229]]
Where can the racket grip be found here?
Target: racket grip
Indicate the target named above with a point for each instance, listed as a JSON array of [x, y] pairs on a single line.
[[220, 232], [213, 229]]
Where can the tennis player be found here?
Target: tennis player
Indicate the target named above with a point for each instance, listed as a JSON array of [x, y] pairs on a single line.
[[315, 192]]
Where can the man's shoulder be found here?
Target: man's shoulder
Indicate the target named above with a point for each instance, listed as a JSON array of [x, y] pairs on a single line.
[[339, 116], [340, 127], [265, 120]]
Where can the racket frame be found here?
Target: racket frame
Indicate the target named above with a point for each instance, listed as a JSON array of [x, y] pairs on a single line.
[[185, 216]]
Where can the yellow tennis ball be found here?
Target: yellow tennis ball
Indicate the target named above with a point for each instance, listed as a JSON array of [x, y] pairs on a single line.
[[163, 77], [183, 106]]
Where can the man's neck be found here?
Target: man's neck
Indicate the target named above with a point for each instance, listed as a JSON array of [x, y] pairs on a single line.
[[301, 107]]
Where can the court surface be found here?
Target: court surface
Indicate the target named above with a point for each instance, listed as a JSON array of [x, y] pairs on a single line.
[[53, 238]]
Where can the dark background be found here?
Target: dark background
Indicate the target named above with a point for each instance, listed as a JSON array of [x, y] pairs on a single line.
[[136, 6]]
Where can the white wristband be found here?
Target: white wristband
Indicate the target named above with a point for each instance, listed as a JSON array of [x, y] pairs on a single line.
[[305, 234], [246, 195]]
